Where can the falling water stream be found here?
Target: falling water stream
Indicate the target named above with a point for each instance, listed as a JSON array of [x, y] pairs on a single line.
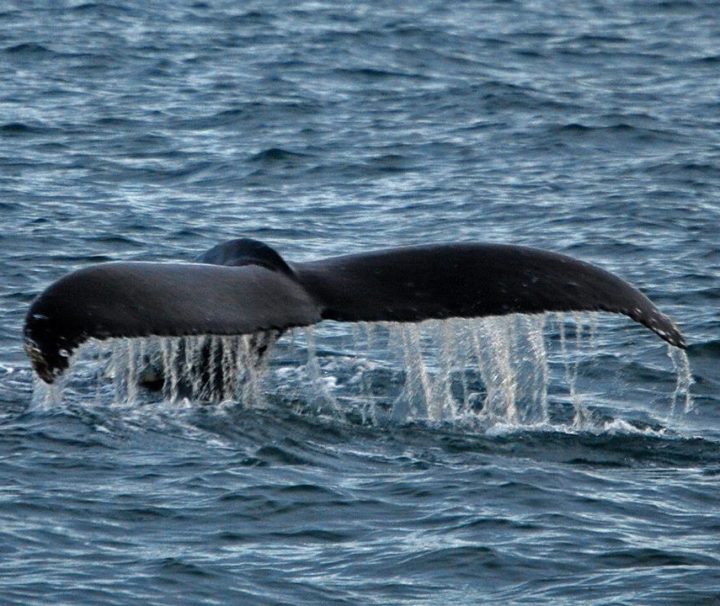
[[489, 371]]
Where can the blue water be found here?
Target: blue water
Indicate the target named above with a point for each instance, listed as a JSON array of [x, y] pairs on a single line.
[[152, 131]]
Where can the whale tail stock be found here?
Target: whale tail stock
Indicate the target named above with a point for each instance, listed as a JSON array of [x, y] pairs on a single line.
[[244, 287]]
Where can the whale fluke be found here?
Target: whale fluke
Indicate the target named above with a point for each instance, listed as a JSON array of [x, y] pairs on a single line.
[[244, 287], [165, 299]]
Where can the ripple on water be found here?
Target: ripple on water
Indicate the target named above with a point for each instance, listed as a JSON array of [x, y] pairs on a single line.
[[385, 465]]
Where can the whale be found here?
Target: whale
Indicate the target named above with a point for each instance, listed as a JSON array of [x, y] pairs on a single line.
[[245, 287]]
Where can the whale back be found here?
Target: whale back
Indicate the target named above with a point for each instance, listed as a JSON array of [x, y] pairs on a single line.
[[245, 251]]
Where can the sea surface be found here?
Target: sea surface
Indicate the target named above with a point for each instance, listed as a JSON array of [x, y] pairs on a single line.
[[567, 459]]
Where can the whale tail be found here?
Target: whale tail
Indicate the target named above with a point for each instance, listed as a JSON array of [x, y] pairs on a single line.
[[244, 287]]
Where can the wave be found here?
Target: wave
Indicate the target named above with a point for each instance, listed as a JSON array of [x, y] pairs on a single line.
[[617, 131], [19, 129], [296, 432], [29, 49], [276, 154]]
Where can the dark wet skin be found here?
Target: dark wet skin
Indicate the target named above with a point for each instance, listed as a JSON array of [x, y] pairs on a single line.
[[245, 287]]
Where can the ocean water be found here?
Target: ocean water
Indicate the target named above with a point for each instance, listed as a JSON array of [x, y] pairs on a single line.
[[561, 460]]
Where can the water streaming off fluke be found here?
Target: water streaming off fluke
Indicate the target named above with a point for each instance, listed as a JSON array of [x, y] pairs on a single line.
[[493, 370]]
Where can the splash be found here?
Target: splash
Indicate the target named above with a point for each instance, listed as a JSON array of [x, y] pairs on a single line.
[[493, 371], [684, 380], [581, 416], [203, 368]]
